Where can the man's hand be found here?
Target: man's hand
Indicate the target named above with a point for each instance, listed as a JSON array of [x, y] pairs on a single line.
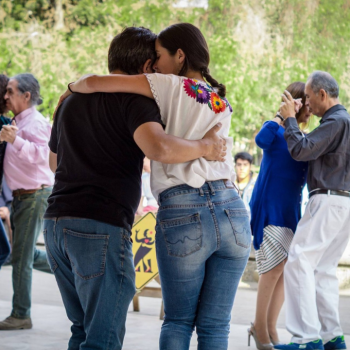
[[215, 144], [8, 133], [297, 105], [62, 98], [287, 107], [4, 213]]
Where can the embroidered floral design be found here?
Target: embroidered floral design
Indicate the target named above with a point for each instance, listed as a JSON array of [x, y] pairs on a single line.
[[205, 94], [216, 104], [228, 104], [191, 88]]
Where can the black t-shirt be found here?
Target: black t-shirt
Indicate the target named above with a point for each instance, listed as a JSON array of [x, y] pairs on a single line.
[[99, 165]]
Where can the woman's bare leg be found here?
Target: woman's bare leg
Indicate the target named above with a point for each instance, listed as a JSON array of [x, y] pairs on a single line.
[[266, 288], [275, 308]]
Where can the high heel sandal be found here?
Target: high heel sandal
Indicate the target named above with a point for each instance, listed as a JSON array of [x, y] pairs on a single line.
[[275, 342], [259, 345]]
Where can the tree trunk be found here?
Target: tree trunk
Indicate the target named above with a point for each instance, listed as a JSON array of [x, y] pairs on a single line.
[[59, 15]]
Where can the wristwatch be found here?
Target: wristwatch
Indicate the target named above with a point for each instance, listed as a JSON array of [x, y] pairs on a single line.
[[278, 115]]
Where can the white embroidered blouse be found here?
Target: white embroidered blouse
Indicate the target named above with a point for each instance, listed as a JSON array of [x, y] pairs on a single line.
[[189, 108]]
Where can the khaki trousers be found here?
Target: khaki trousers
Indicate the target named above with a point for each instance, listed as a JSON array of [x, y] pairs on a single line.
[[311, 285]]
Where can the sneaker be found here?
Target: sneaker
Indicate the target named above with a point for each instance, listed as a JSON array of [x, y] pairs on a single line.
[[11, 323], [337, 343], [311, 345]]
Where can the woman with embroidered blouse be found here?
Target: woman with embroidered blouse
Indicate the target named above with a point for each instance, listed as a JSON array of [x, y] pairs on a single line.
[[203, 233], [275, 212]]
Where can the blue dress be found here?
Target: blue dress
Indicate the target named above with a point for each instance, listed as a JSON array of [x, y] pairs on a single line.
[[277, 195]]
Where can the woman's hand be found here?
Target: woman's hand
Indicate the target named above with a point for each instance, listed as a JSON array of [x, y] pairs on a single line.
[[216, 146], [80, 85], [62, 98]]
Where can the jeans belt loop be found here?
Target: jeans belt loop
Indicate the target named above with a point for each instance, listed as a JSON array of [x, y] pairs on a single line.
[[201, 192], [211, 188]]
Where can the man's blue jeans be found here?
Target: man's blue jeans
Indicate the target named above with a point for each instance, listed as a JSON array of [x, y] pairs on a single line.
[[26, 221], [203, 243], [93, 265]]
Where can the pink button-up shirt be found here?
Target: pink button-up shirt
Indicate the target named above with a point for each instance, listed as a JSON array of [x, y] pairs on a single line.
[[26, 163]]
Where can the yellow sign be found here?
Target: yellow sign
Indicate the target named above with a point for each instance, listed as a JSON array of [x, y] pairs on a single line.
[[144, 250]]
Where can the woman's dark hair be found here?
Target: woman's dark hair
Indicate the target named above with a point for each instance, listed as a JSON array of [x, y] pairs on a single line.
[[28, 83], [297, 90], [3, 84], [190, 40], [130, 49]]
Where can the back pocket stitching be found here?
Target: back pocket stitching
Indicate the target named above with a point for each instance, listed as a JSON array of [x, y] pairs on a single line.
[[242, 213], [178, 222], [88, 236]]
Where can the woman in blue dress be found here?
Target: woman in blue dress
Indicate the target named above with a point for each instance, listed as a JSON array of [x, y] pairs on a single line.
[[275, 212]]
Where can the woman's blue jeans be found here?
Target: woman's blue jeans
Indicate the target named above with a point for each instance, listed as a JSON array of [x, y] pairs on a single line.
[[203, 243], [93, 265]]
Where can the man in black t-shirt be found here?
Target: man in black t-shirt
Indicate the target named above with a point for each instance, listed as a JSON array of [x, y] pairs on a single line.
[[97, 148]]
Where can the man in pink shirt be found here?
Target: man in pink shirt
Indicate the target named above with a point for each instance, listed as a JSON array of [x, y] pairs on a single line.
[[27, 173]]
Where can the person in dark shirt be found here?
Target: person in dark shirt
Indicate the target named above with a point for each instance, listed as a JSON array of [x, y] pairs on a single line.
[[97, 148], [311, 285]]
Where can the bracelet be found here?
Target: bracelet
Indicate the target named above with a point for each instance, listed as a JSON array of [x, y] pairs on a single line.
[[70, 88], [279, 116]]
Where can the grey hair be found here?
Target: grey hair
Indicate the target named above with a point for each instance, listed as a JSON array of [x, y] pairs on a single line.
[[323, 80], [28, 83]]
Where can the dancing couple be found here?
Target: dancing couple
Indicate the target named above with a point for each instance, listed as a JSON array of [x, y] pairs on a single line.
[[302, 253], [179, 118]]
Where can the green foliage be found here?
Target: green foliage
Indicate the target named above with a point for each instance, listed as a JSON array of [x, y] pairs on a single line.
[[257, 47]]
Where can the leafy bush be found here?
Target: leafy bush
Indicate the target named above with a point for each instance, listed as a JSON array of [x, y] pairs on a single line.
[[257, 47]]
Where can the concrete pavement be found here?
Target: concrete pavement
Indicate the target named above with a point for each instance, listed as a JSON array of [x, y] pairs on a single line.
[[51, 329]]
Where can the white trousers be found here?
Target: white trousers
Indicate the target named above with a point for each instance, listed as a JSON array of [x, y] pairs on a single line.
[[311, 285]]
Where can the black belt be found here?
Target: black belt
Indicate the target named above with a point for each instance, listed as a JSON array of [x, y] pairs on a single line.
[[333, 192]]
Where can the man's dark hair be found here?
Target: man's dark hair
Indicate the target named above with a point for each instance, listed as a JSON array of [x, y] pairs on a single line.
[[130, 49], [3, 84], [244, 156], [28, 83]]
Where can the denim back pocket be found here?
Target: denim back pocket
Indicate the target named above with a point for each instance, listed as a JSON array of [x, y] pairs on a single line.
[[239, 220], [183, 236], [87, 253], [50, 260]]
